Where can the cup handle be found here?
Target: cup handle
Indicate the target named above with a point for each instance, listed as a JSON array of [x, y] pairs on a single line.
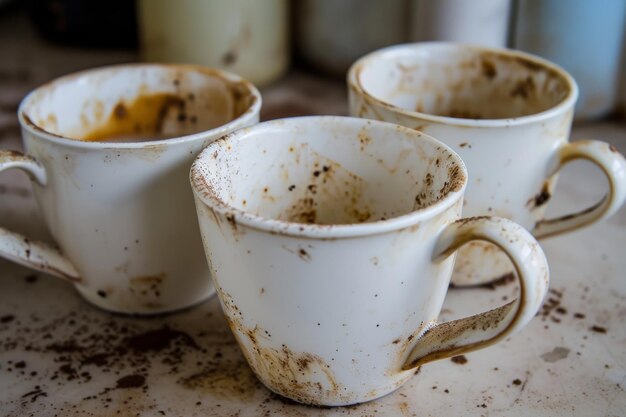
[[17, 248], [612, 163], [443, 340]]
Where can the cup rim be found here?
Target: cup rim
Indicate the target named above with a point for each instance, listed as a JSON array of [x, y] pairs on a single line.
[[241, 120], [354, 82], [205, 194]]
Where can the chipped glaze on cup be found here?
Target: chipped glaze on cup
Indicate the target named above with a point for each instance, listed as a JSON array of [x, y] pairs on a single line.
[[122, 213], [330, 241], [508, 114]]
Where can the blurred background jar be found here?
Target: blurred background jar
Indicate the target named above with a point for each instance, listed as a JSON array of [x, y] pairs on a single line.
[[332, 34], [480, 22], [247, 37], [621, 101], [582, 36], [94, 24]]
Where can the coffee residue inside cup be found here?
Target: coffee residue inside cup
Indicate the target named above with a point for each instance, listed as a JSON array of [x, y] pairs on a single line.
[[141, 119]]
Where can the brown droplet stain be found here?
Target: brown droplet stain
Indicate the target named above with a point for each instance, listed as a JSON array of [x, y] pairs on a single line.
[[459, 360], [225, 380], [120, 111], [524, 88], [31, 279], [7, 319], [541, 198], [229, 58], [131, 381], [489, 69], [502, 281], [304, 255], [598, 329]]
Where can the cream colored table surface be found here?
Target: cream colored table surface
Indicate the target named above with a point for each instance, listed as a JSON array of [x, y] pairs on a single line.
[[61, 356]]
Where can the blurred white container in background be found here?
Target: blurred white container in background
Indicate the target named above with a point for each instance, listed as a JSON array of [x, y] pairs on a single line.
[[480, 22], [582, 36], [247, 37], [332, 34], [622, 91]]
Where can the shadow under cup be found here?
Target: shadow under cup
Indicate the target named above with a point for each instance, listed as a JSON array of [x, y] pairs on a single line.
[[461, 81], [137, 103], [319, 171]]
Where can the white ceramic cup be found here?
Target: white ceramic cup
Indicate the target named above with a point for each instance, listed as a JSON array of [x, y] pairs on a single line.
[[122, 213], [508, 114], [330, 241]]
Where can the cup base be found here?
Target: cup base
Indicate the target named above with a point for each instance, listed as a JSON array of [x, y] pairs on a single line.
[[139, 310], [345, 400]]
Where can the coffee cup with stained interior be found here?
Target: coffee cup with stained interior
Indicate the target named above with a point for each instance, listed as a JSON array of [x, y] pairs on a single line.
[[508, 114], [108, 151], [331, 240]]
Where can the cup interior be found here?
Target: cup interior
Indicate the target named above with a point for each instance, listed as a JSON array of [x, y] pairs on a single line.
[[327, 171], [462, 81], [138, 103]]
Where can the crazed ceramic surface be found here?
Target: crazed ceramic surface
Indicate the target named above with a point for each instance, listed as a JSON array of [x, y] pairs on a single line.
[[122, 213], [329, 240], [507, 114]]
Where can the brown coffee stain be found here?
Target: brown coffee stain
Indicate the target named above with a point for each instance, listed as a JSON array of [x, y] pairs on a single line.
[[455, 182], [541, 198], [304, 255], [302, 210], [462, 114], [524, 88], [432, 193], [225, 380], [598, 329], [333, 196], [459, 360], [501, 281], [231, 219], [141, 118], [404, 408], [51, 122], [362, 110], [364, 139], [489, 69], [446, 334], [243, 101], [550, 305], [301, 376], [147, 285]]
